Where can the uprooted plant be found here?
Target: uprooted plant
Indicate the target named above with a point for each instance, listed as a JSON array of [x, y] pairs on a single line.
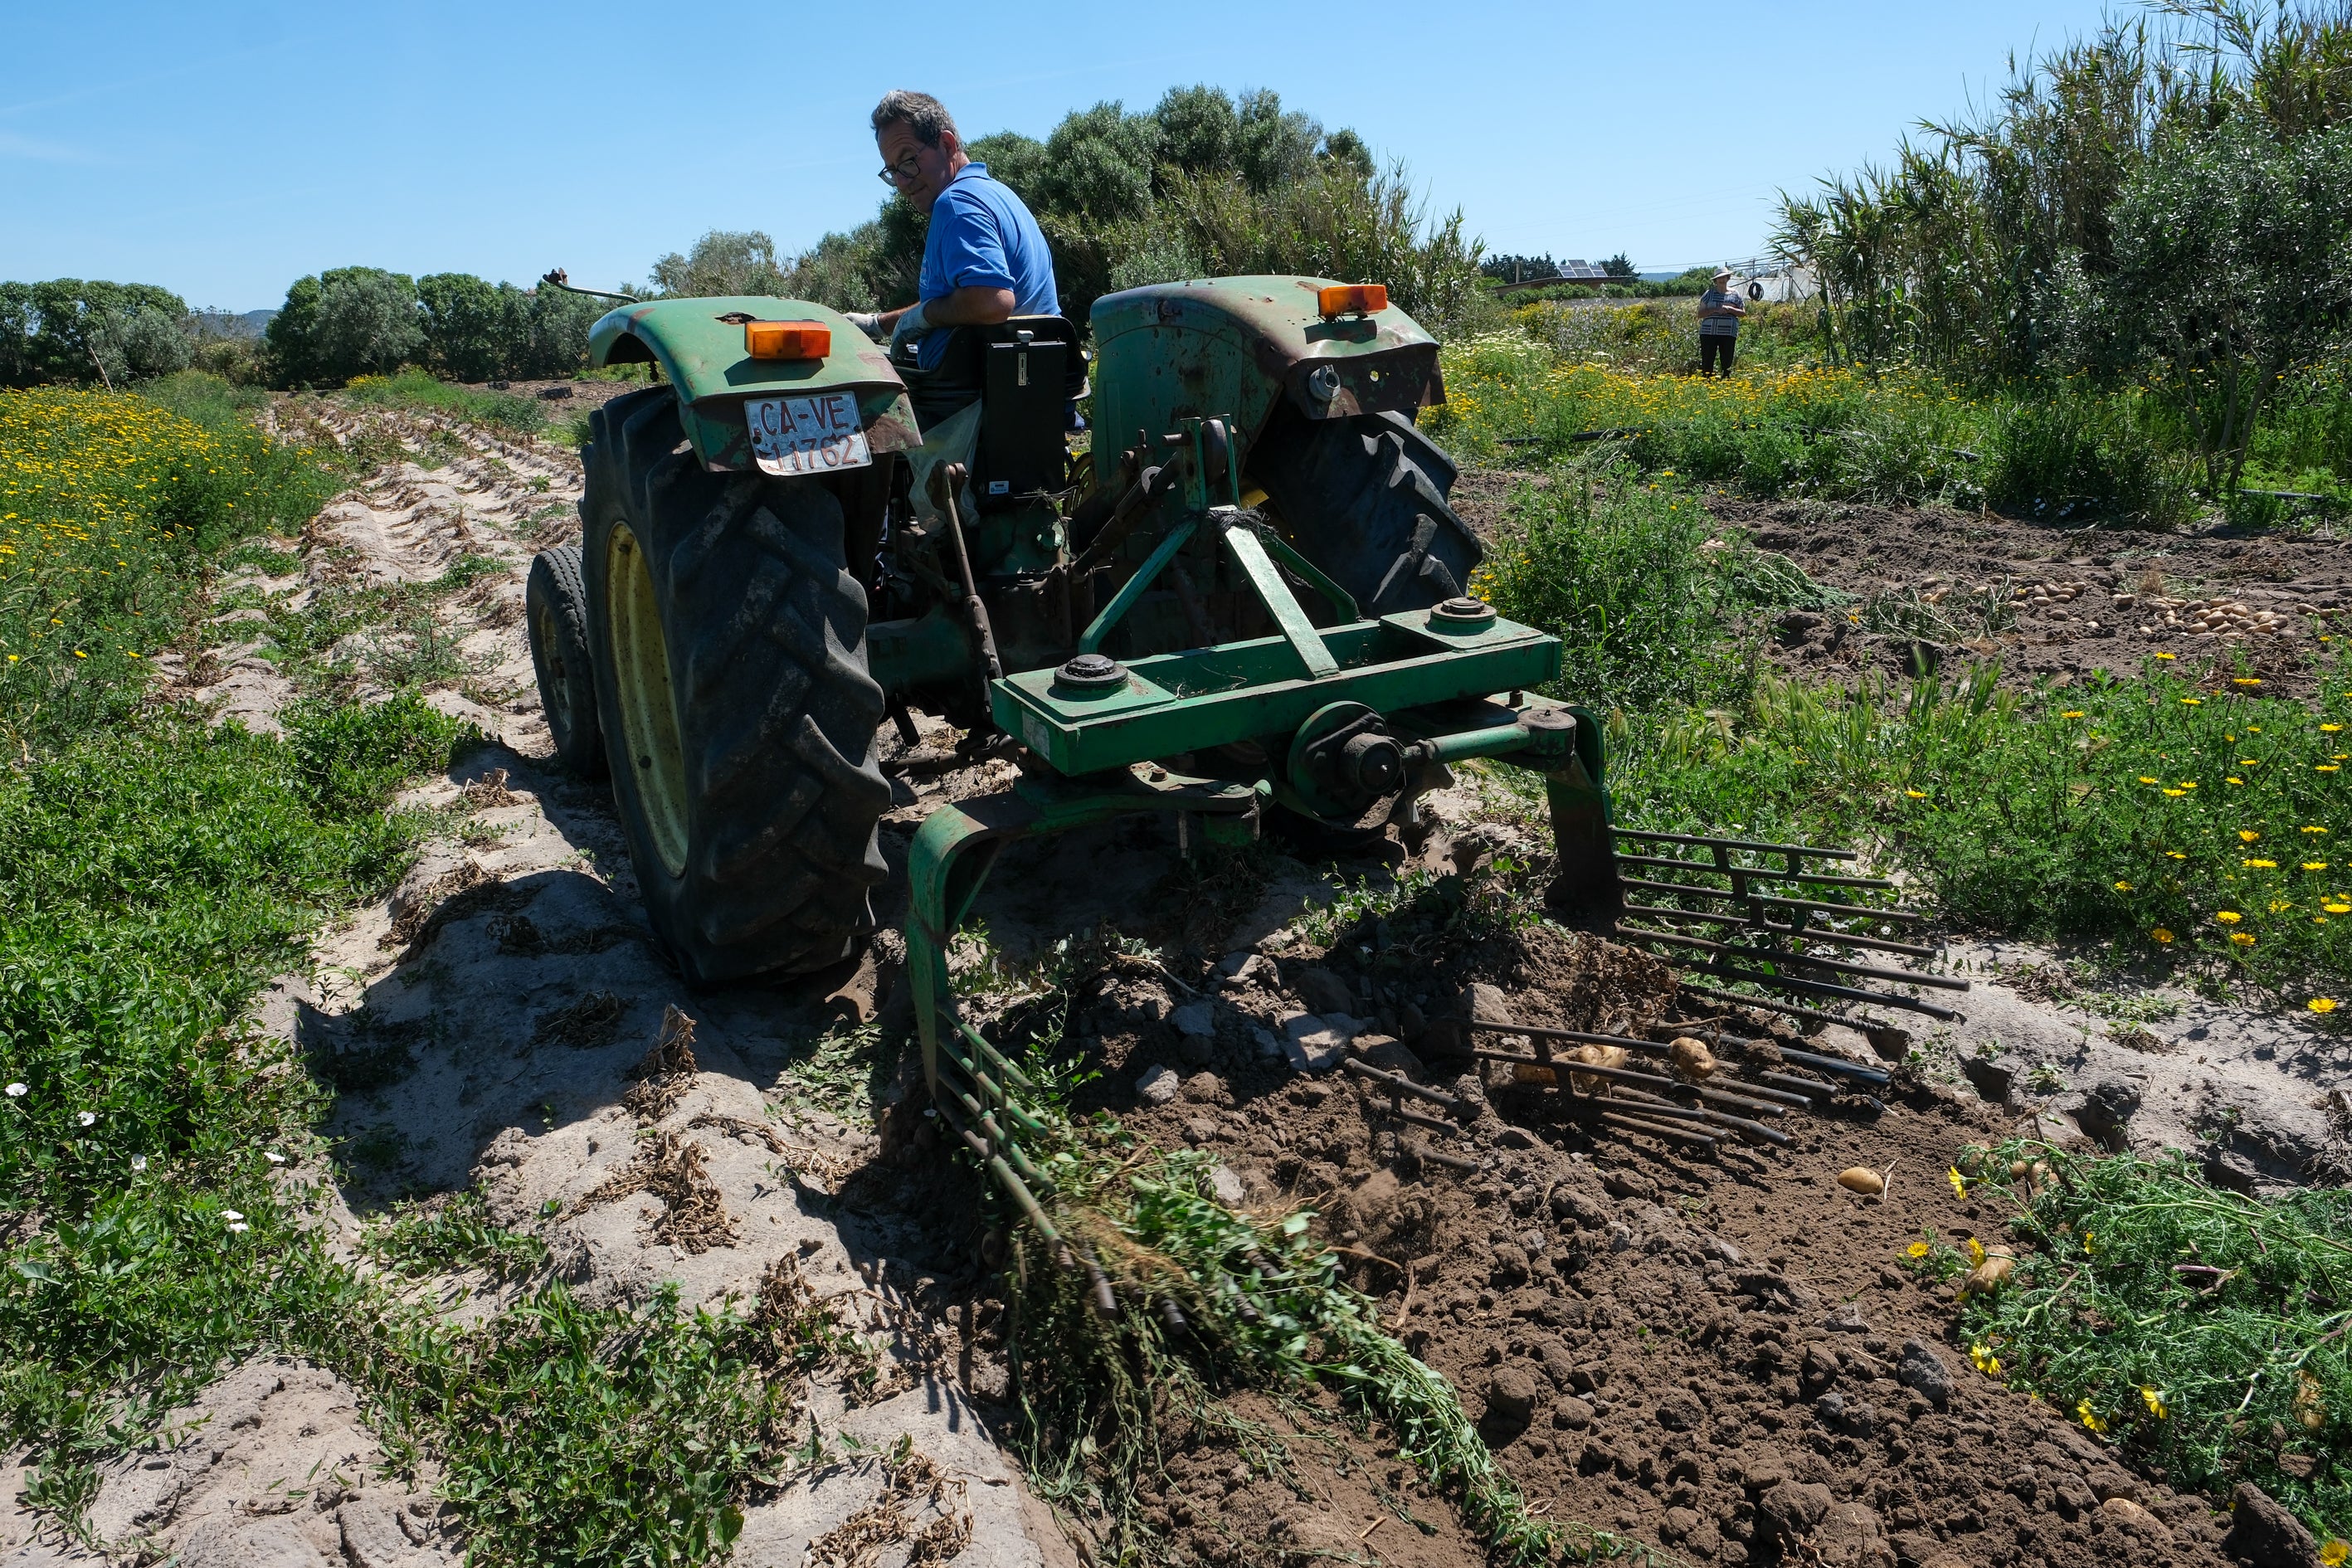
[[1142, 1300], [2196, 1328]]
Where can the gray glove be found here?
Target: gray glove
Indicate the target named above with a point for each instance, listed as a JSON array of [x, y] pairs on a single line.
[[913, 323], [868, 323]]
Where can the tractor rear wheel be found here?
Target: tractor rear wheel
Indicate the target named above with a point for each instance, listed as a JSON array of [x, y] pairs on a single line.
[[737, 705], [555, 609], [1364, 499]]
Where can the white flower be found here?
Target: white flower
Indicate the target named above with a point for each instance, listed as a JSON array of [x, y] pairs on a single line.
[[275, 1157], [89, 1119], [138, 1161], [239, 1228], [18, 1091], [232, 1217]]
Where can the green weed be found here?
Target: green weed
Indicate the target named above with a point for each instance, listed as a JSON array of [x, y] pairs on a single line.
[[152, 877], [2195, 1328], [2190, 825], [579, 1436], [419, 389], [1209, 1299], [844, 1072], [441, 1236], [1631, 575]]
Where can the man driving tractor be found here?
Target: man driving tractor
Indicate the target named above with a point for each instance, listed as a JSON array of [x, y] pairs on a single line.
[[984, 261]]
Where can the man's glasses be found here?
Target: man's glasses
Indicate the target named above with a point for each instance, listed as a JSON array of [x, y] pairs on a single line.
[[905, 172]]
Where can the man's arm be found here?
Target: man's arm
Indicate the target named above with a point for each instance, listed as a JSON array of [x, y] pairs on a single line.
[[973, 305]]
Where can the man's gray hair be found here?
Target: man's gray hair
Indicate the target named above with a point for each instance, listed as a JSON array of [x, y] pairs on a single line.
[[919, 112]]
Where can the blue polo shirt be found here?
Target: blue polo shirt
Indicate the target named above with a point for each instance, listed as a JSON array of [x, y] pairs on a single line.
[[982, 235]]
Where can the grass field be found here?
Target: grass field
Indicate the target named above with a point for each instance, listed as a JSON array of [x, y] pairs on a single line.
[[154, 874]]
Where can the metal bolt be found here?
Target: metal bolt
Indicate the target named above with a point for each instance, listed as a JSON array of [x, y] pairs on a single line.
[[1323, 385], [1092, 670]]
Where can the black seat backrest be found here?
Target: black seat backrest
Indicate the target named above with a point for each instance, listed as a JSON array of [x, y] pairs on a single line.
[[1030, 370]]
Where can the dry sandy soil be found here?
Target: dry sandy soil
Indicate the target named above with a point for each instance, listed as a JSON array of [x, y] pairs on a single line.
[[1715, 1356]]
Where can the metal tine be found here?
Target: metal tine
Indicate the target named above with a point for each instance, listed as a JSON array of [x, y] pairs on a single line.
[[1809, 933], [1871, 972], [1750, 844], [1754, 873], [1797, 987], [1854, 912], [1790, 1009], [1654, 1047]]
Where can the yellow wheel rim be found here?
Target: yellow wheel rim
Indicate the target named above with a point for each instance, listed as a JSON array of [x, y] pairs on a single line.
[[648, 709]]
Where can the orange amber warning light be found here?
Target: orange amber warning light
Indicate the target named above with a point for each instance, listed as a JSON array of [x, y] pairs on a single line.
[[1352, 298], [787, 340]]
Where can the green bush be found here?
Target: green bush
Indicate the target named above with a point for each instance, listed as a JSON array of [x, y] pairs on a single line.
[[2166, 202], [1621, 571], [361, 321], [2057, 448], [72, 331]]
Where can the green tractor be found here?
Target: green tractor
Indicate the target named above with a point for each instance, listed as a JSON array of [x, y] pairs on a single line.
[[1248, 597]]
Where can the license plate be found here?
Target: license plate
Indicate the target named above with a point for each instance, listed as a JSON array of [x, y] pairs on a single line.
[[815, 434]]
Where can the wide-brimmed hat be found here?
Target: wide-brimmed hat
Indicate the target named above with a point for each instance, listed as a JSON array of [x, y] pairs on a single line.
[[1722, 272]]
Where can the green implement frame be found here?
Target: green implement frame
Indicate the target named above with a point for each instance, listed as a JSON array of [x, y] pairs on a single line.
[[1418, 689]]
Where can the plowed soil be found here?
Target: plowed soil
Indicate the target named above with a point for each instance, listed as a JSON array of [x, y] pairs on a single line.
[[2091, 598], [1700, 1352]]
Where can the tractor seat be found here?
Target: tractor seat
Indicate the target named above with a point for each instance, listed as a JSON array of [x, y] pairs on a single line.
[[1030, 373], [1027, 374]]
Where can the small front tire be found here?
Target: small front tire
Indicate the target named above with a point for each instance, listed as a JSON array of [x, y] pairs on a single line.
[[556, 608]]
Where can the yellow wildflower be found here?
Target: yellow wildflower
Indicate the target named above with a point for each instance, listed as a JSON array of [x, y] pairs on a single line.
[[1959, 1182], [2155, 1403], [1921, 1249], [2228, 916], [2321, 1004], [2162, 935]]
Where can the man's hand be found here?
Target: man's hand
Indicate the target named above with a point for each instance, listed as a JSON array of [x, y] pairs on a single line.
[[867, 321], [911, 323]]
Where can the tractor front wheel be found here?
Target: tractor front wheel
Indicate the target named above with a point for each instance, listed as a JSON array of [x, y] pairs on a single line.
[[555, 609], [739, 713]]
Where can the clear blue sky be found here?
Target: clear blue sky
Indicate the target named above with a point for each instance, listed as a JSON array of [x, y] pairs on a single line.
[[224, 150]]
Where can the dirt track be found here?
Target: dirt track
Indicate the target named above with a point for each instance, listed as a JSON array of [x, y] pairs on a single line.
[[1648, 1337]]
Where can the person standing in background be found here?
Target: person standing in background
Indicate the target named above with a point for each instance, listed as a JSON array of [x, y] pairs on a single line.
[[1719, 310]]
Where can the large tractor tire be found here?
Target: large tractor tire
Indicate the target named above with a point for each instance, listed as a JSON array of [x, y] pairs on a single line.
[[555, 609], [1364, 499], [730, 643]]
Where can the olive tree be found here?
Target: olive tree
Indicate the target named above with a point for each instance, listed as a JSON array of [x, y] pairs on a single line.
[[2228, 269]]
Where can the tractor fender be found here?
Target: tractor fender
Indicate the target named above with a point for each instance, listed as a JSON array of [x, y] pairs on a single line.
[[1238, 348], [698, 344]]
